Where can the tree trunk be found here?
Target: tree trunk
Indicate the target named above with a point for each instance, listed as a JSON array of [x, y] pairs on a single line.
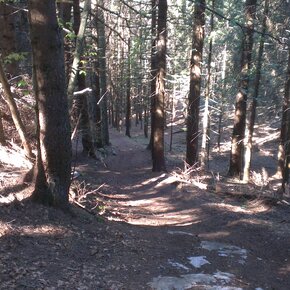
[[53, 169], [14, 112], [153, 70], [206, 115], [128, 94], [2, 134], [102, 76], [236, 158], [195, 84], [284, 146], [78, 49], [252, 117], [159, 97], [7, 34]]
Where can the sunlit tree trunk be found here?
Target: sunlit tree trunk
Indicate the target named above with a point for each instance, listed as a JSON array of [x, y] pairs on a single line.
[[252, 111], [2, 134], [195, 83], [205, 123], [53, 168], [158, 157], [238, 135]]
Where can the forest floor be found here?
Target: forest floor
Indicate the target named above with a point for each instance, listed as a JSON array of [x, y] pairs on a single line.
[[135, 229]]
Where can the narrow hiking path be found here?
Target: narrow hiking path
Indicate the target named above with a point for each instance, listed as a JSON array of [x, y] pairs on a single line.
[[190, 238], [154, 233]]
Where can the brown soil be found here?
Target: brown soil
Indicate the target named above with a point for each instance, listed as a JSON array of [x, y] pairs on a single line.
[[134, 229]]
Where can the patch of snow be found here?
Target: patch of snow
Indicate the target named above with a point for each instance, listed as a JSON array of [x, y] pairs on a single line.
[[198, 261], [188, 281], [178, 265], [226, 250]]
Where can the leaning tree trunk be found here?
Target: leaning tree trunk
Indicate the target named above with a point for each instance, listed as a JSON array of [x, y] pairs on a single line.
[[53, 168], [158, 112], [14, 112], [195, 84], [238, 135], [252, 117]]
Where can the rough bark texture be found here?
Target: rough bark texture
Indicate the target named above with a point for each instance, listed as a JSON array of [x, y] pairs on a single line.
[[159, 97], [236, 159], [195, 83], [252, 117], [52, 176]]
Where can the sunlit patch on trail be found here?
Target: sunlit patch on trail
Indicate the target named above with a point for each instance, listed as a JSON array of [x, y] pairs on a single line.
[[177, 265]]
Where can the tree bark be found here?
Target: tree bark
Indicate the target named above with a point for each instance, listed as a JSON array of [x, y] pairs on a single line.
[[252, 117], [237, 144], [53, 168], [78, 49], [14, 112], [195, 84], [128, 93], [158, 157], [206, 115]]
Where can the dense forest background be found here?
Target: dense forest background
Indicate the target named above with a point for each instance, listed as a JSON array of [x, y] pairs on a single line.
[[213, 71]]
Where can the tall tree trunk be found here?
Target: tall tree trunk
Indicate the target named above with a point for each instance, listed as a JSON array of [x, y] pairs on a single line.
[[284, 146], [102, 71], [153, 69], [206, 115], [252, 117], [7, 34], [14, 112], [195, 83], [53, 170], [158, 157], [79, 47], [236, 158], [128, 93]]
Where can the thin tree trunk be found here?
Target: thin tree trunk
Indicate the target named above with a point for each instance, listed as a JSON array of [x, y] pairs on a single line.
[[78, 50], [14, 112], [284, 146], [128, 94], [153, 69], [236, 158], [102, 74], [221, 106], [2, 134], [206, 115], [251, 122], [158, 157], [195, 84]]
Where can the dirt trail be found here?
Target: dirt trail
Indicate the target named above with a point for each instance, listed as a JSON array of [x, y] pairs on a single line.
[[194, 239], [155, 235]]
